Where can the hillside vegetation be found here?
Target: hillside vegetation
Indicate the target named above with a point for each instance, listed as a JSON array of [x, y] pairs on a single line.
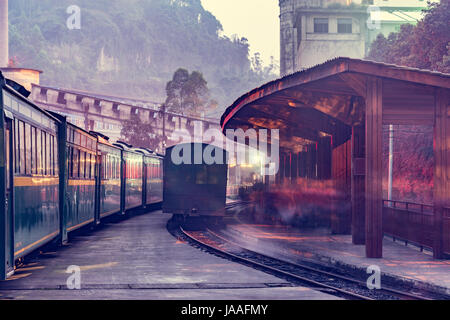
[[131, 47]]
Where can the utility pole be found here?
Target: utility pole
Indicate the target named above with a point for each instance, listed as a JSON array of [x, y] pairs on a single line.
[[391, 161], [4, 41], [163, 110]]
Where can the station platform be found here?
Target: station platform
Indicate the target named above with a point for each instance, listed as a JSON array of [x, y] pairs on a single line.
[[400, 264], [138, 259]]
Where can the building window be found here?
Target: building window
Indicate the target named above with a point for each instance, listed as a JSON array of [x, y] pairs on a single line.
[[345, 25], [320, 25]]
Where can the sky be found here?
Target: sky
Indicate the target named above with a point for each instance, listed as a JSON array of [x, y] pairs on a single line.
[[256, 20]]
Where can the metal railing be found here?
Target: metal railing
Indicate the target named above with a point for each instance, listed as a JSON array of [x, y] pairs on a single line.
[[409, 222]]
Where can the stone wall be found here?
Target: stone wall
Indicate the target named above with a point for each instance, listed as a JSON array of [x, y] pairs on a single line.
[[92, 113]]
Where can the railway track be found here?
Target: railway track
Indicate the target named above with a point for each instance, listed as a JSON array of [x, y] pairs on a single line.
[[334, 284], [212, 241]]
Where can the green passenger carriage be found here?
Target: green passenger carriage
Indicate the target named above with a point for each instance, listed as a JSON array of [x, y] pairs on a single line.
[[29, 177], [56, 178]]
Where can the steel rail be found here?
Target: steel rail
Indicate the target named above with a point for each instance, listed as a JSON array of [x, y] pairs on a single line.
[[387, 290], [276, 271]]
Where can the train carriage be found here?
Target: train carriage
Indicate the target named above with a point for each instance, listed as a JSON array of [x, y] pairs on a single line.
[[152, 188], [194, 187], [109, 182], [29, 177], [154, 179], [56, 178], [81, 153], [132, 177]]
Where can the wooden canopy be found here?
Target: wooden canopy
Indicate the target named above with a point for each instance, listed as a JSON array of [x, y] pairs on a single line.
[[329, 99], [349, 100]]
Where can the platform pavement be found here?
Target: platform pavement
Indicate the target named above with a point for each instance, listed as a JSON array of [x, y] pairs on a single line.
[[138, 259], [400, 263]]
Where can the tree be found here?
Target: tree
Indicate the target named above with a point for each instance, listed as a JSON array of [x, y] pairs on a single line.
[[139, 134], [188, 94], [424, 46]]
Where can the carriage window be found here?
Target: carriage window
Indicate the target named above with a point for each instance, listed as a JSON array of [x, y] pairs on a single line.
[[34, 151], [113, 167], [22, 147], [136, 170], [102, 168], [132, 169], [44, 154], [139, 170], [82, 164], [85, 158], [38, 152], [48, 155], [28, 148], [50, 151], [149, 171], [118, 167], [75, 156], [93, 162], [16, 146], [71, 133], [77, 138], [69, 162], [55, 152], [93, 167], [88, 165], [110, 167]]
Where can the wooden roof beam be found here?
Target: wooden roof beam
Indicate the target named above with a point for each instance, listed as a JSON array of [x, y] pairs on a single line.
[[356, 82]]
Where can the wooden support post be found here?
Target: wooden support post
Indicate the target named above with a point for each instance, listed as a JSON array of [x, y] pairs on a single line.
[[281, 171], [324, 158], [294, 167], [311, 161], [341, 201], [441, 168], [302, 164], [287, 167], [358, 185], [374, 151]]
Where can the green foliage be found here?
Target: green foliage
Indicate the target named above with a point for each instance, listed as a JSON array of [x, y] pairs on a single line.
[[424, 46], [139, 134], [129, 47], [187, 94]]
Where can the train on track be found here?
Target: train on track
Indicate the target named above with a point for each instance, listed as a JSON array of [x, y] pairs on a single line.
[[56, 178], [195, 181]]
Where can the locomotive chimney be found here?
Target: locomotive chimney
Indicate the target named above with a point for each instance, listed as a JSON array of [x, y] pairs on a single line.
[[4, 54]]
